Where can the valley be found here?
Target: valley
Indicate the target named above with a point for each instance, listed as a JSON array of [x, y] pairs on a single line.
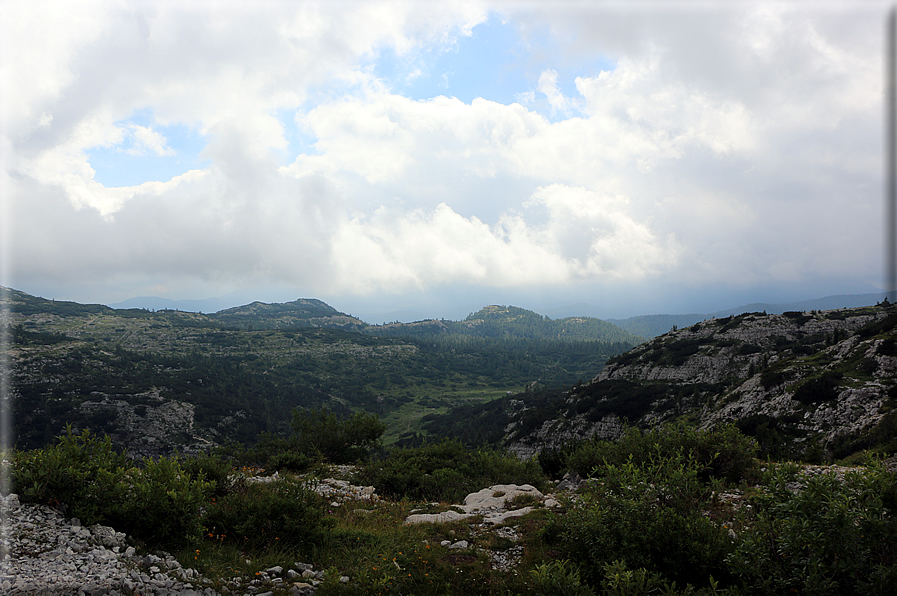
[[170, 380], [817, 385]]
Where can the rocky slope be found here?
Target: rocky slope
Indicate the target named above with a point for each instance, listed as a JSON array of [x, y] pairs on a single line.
[[799, 381]]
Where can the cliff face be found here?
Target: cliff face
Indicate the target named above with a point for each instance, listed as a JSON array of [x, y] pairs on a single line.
[[818, 377]]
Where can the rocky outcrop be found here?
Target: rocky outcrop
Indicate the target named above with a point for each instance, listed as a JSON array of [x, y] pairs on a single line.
[[149, 429], [42, 552], [823, 377], [556, 432], [495, 504]]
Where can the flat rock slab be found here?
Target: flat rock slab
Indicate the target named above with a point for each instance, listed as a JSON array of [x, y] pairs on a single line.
[[436, 518], [496, 497], [490, 502]]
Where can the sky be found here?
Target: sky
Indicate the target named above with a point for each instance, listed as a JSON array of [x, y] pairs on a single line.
[[421, 159]]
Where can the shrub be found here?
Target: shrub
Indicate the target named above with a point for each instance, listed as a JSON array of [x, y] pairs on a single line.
[[213, 468], [554, 460], [446, 471], [259, 515], [833, 536], [289, 460], [84, 476], [622, 581], [67, 474], [772, 378], [722, 452], [320, 433], [558, 578], [649, 516], [159, 503], [270, 452], [823, 388]]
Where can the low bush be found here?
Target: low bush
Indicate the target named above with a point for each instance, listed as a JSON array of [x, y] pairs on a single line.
[[85, 477], [619, 580], [212, 468], [559, 578], [66, 474], [159, 503], [554, 460], [270, 452], [650, 516], [722, 452], [833, 536], [823, 388], [446, 471], [258, 515], [321, 434]]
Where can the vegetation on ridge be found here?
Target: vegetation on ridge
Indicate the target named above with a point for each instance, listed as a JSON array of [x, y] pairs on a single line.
[[665, 512]]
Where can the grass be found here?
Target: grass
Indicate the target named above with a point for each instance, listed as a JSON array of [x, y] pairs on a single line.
[[370, 544], [408, 417]]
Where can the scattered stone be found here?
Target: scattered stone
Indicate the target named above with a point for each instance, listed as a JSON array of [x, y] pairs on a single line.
[[571, 481], [340, 491], [490, 502], [41, 552]]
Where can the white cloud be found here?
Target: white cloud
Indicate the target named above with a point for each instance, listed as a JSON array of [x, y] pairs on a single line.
[[739, 143], [147, 139], [548, 86]]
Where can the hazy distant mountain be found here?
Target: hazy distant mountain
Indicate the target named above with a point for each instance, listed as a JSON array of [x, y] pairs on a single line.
[[508, 322], [205, 305], [644, 325], [156, 303], [304, 312], [654, 325], [827, 303]]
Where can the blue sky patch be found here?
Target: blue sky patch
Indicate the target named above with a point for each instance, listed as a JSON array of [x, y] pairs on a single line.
[[135, 161], [299, 140], [493, 63]]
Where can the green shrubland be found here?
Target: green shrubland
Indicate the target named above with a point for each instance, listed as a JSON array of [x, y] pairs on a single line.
[[649, 515], [651, 518], [722, 452], [446, 471], [158, 502]]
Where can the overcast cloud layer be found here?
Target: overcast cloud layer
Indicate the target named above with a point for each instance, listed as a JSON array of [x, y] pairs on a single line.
[[353, 152]]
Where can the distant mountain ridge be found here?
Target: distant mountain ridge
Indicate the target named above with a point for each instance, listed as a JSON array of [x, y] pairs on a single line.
[[647, 326], [173, 380], [499, 321], [654, 325], [296, 314]]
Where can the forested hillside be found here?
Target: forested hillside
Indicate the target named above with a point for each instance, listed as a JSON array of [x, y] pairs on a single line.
[[503, 322], [157, 380]]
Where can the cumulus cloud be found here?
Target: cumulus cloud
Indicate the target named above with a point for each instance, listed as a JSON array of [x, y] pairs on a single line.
[[145, 139], [735, 145], [548, 86]]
